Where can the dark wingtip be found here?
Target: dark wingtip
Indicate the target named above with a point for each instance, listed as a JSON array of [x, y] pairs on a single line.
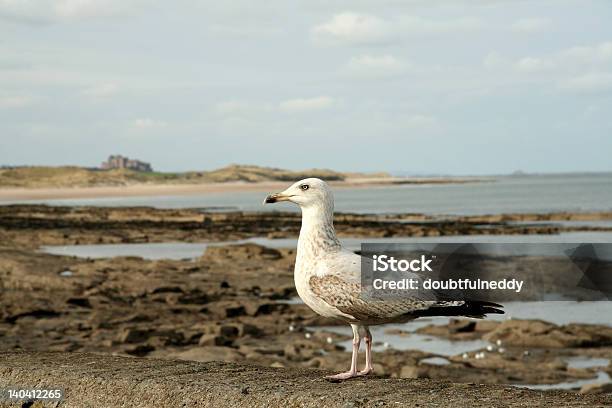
[[476, 309], [492, 310]]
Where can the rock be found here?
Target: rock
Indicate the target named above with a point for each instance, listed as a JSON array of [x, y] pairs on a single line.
[[462, 326], [79, 301], [99, 380], [596, 388], [265, 348], [557, 364], [134, 318], [214, 340], [194, 297], [230, 331], [168, 337], [68, 347], [139, 350], [379, 369], [236, 330], [226, 309], [211, 353], [292, 351], [133, 336], [36, 313], [255, 309], [240, 252], [166, 289], [537, 333], [413, 372], [459, 329]]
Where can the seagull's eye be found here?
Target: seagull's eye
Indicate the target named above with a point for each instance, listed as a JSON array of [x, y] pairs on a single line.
[[304, 187]]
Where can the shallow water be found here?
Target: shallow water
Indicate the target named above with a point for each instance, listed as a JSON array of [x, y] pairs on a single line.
[[182, 250], [540, 194], [153, 251], [602, 377], [586, 362], [435, 361], [557, 312]]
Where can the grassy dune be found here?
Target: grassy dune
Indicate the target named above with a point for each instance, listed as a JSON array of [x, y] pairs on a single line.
[[67, 176]]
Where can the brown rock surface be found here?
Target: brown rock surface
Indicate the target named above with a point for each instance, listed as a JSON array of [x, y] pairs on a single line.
[[102, 380], [34, 225], [232, 303], [537, 333]]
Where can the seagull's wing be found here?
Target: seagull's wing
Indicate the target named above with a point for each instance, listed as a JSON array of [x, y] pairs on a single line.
[[346, 297], [340, 287]]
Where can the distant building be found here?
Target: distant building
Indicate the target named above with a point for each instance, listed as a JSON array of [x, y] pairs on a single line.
[[116, 161]]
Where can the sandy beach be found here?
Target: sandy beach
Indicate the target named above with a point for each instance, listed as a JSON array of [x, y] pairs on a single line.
[[15, 194]]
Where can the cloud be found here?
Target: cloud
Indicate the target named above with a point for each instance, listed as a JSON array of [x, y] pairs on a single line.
[[243, 30], [588, 54], [531, 25], [531, 64], [230, 107], [418, 121], [575, 61], [148, 123], [15, 101], [494, 60], [366, 29], [307, 104], [376, 66], [78, 9], [50, 11], [589, 83], [102, 91], [353, 28], [237, 108], [419, 25], [241, 108]]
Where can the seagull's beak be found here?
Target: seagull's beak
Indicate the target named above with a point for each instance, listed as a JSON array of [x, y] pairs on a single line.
[[275, 198]]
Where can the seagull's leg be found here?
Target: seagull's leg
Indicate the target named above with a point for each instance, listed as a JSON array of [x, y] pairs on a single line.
[[368, 352], [353, 371]]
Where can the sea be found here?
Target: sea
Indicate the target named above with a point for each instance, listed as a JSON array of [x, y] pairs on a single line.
[[493, 195]]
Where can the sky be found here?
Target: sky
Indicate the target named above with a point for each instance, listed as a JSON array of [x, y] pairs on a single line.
[[411, 86]]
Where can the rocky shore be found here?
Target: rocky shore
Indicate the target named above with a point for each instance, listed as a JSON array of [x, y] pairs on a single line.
[[104, 380], [235, 302], [34, 225]]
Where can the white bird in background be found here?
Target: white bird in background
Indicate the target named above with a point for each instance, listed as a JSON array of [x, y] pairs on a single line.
[[328, 277]]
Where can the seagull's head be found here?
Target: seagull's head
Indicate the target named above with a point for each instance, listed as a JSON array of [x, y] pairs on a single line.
[[310, 192]]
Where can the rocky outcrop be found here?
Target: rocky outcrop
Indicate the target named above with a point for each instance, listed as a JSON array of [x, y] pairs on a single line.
[[524, 333], [234, 304], [109, 381], [33, 225], [537, 333]]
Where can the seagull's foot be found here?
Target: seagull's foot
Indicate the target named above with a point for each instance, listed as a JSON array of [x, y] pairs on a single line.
[[365, 371], [342, 376]]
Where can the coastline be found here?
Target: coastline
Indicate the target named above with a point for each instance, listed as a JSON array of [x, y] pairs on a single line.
[[134, 190]]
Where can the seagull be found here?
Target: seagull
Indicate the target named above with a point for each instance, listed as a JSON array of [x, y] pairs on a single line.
[[328, 277]]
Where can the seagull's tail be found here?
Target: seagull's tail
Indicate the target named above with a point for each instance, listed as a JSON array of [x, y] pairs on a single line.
[[471, 308]]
